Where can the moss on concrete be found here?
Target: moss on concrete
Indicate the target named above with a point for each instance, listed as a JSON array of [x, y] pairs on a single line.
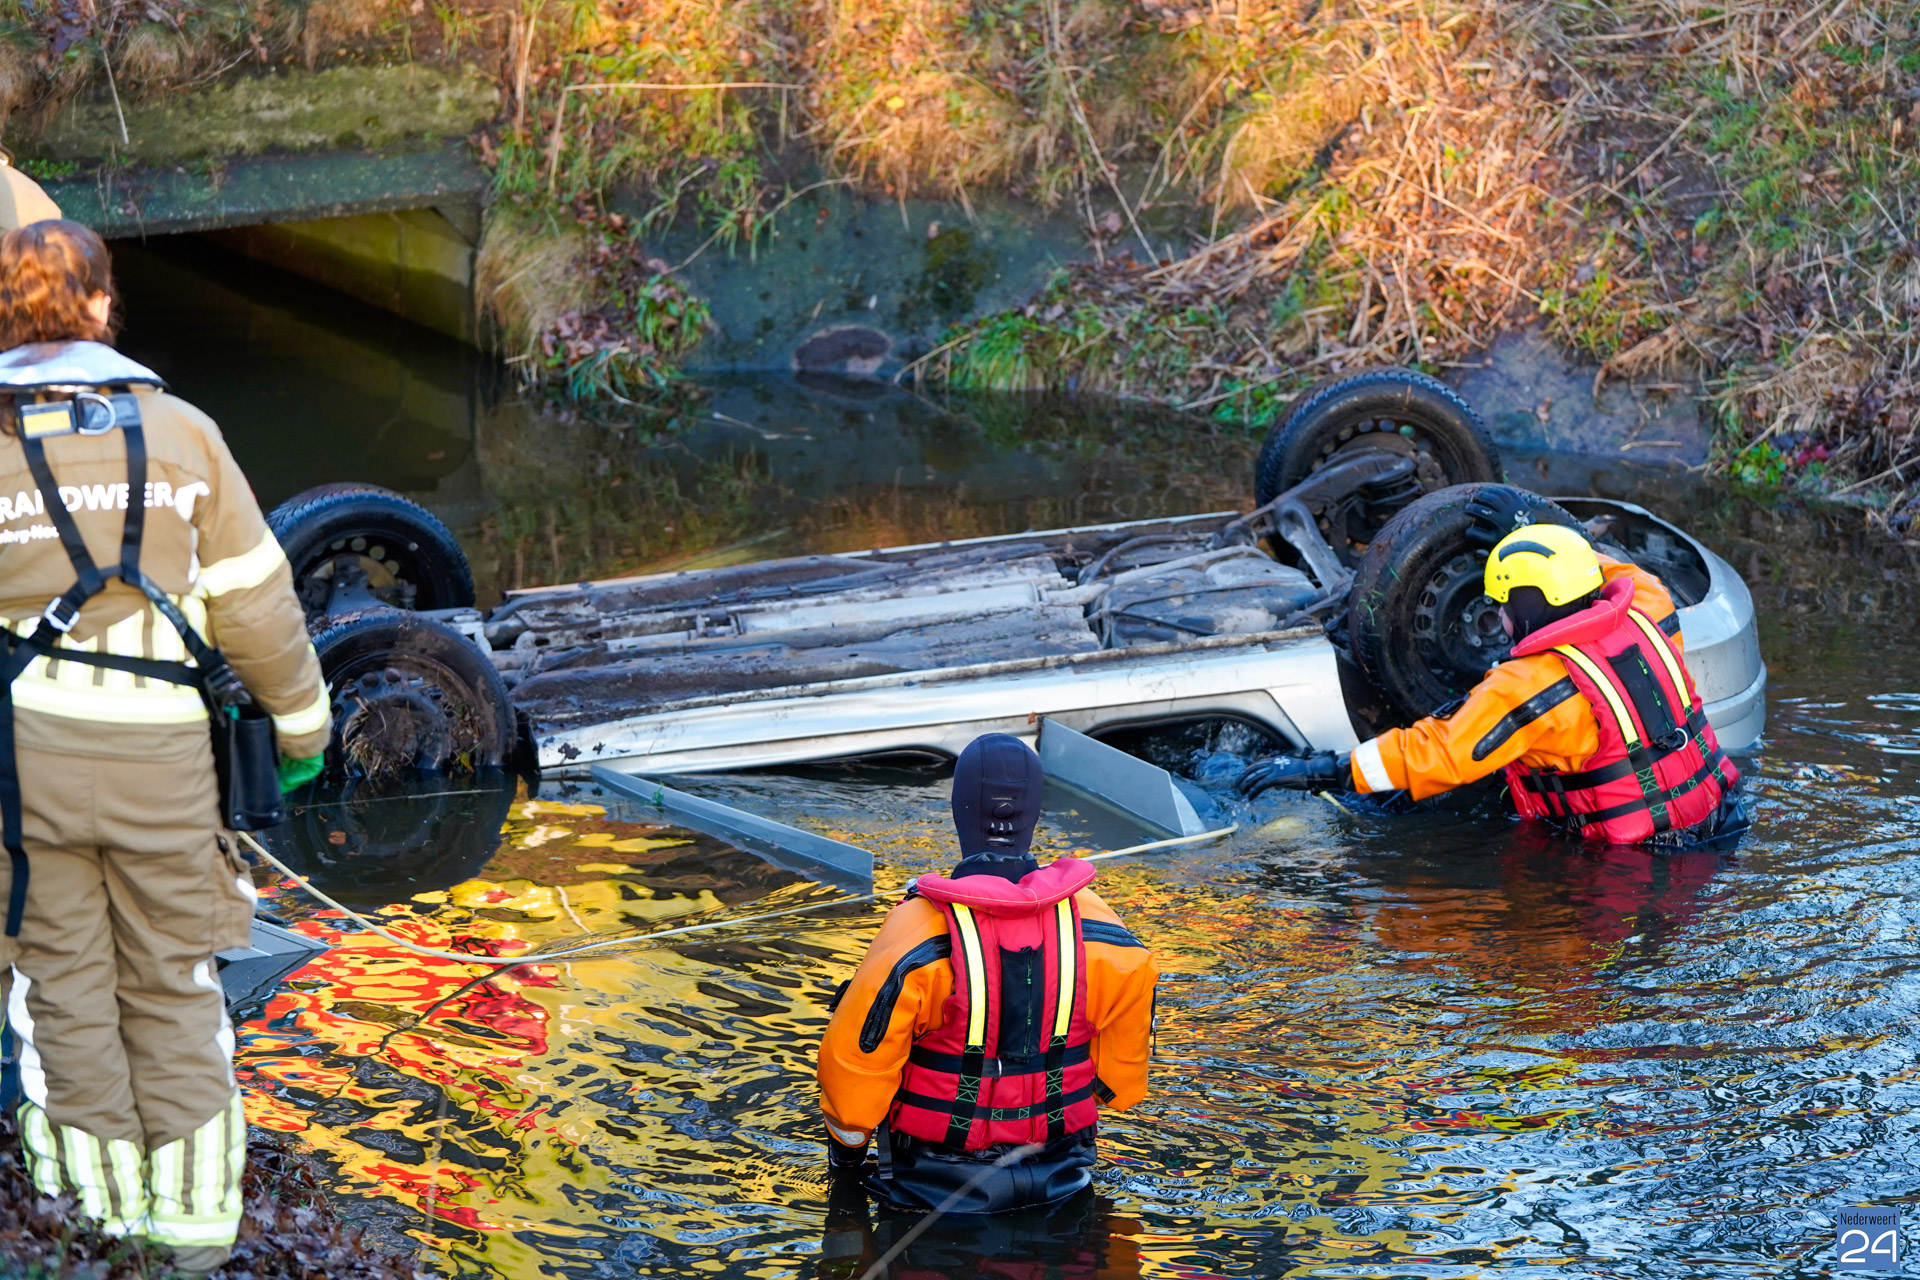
[[342, 107]]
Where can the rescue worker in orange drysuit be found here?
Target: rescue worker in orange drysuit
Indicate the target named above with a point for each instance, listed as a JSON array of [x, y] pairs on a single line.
[[999, 1007], [1594, 717]]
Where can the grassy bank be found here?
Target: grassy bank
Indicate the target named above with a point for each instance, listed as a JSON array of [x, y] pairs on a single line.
[[1685, 191], [1692, 192]]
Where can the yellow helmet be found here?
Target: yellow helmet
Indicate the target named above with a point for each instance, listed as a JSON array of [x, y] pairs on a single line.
[[1551, 557]]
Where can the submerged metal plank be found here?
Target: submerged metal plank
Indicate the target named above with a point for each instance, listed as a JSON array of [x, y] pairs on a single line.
[[1140, 790], [250, 975], [816, 856]]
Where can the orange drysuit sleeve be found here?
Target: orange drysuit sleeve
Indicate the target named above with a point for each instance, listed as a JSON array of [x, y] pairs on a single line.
[[1121, 976], [895, 997], [899, 993], [1526, 709]]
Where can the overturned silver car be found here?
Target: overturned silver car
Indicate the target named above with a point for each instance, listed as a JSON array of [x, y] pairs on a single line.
[[1346, 601]]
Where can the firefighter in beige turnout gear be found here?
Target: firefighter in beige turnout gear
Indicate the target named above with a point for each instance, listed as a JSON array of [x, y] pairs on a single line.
[[126, 1053]]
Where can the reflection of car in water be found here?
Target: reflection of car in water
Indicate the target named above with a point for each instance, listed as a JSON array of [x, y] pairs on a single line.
[[1348, 600], [369, 846]]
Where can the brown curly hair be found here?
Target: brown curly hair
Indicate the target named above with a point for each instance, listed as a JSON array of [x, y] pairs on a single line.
[[49, 272]]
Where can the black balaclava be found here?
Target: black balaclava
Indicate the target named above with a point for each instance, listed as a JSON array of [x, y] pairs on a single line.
[[996, 802], [1528, 608]]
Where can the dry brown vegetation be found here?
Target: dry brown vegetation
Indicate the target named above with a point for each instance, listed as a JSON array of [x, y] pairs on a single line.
[[289, 1230], [1272, 192], [1684, 190]]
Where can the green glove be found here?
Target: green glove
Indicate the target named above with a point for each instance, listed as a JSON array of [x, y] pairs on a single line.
[[298, 771]]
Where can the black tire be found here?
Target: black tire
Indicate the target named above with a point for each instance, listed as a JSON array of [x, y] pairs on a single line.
[[372, 846], [410, 558], [411, 694], [1419, 623], [1398, 410]]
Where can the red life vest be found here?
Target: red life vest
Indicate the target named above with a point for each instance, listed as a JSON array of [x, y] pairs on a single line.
[[1659, 767], [1011, 1061]]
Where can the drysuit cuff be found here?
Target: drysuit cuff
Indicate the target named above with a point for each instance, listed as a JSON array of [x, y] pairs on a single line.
[[1368, 770]]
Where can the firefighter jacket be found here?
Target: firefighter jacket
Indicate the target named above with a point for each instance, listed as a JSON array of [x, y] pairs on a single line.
[[205, 544], [1526, 711], [892, 1024], [21, 199]]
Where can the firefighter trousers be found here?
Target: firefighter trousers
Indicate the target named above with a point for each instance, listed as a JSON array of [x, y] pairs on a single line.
[[126, 1054]]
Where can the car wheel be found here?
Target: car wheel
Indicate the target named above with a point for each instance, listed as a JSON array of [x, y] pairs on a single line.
[[411, 694], [1419, 623], [371, 545], [1392, 410]]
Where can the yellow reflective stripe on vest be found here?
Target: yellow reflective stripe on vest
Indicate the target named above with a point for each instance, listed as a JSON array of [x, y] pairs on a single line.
[[976, 976], [1665, 650], [1069, 970], [1614, 702]]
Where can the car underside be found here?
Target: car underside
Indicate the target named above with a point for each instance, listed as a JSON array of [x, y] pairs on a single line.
[[1346, 601]]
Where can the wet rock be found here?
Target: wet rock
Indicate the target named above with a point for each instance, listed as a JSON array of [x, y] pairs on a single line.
[[1537, 395], [849, 348]]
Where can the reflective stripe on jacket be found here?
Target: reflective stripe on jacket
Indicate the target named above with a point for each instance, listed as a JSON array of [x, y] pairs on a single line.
[[1658, 767], [205, 544], [1525, 710], [903, 994]]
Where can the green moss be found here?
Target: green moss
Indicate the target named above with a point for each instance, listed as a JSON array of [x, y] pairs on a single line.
[[343, 107]]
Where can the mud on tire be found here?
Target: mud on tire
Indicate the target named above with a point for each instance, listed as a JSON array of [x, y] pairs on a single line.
[[411, 694], [411, 559], [1419, 623], [1395, 410]]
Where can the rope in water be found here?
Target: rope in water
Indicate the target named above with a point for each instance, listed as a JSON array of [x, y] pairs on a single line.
[[1162, 844], [629, 940], [531, 957]]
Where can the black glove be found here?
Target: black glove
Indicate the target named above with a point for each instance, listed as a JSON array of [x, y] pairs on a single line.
[[1316, 772], [1498, 509], [841, 1157]]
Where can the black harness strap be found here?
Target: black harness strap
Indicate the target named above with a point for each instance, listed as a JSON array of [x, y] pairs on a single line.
[[1710, 769], [210, 672], [1022, 1064], [1561, 783], [973, 1110]]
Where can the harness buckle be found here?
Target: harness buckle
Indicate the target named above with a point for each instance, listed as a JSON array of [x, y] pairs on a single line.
[[51, 615]]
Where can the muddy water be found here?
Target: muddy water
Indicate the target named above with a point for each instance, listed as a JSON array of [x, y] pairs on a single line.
[[1389, 1044]]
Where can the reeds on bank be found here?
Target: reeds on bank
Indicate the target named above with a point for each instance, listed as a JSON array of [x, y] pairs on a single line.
[[1695, 193]]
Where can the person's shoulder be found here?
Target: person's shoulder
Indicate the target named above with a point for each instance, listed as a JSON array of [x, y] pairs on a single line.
[[1533, 672], [1100, 923], [27, 202], [163, 409], [912, 920]]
